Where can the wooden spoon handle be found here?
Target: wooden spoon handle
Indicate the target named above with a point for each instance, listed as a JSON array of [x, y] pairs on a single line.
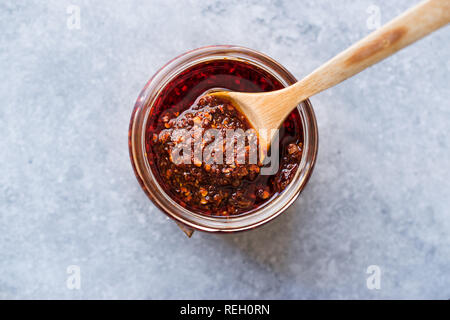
[[412, 25]]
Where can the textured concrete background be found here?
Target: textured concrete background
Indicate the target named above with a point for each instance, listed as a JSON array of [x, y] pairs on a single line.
[[68, 196]]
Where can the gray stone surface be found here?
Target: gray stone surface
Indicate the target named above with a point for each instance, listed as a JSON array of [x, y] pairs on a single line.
[[68, 196]]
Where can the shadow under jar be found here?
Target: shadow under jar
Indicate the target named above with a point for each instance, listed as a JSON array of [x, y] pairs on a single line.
[[172, 91]]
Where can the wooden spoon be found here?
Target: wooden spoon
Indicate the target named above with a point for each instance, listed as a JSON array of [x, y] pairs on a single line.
[[269, 109]]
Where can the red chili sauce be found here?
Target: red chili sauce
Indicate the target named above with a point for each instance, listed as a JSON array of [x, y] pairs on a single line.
[[217, 189]]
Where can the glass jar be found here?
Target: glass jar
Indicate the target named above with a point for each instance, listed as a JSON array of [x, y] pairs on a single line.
[[189, 220]]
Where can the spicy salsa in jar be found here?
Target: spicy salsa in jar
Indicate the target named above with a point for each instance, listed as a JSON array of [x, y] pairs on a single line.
[[208, 189]]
